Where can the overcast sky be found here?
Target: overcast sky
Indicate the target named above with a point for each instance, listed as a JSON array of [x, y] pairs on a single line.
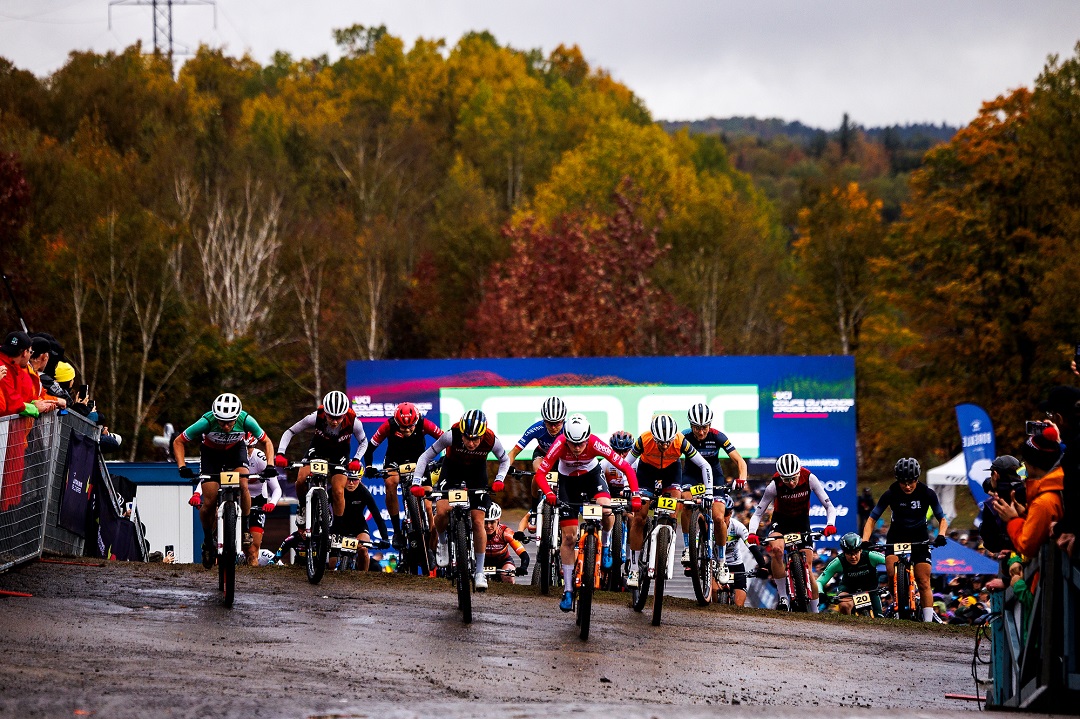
[[881, 61]]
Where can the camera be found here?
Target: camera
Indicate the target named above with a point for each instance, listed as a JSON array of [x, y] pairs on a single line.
[[1033, 428], [1006, 487]]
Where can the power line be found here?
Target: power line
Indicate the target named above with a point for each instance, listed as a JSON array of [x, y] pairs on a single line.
[[161, 10]]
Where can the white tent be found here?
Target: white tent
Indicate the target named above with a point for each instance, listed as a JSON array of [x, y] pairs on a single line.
[[944, 479]]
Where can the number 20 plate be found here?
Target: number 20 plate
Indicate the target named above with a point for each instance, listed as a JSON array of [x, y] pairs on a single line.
[[861, 600], [592, 511], [793, 538], [229, 479], [458, 496]]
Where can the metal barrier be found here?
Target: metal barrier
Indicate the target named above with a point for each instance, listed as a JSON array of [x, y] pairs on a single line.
[[1036, 651]]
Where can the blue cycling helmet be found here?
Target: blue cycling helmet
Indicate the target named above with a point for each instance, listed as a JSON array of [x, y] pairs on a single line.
[[621, 441]]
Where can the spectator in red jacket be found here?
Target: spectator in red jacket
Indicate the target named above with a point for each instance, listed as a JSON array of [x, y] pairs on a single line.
[[18, 393]]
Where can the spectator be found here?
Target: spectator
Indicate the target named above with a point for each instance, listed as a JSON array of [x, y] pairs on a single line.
[[17, 389], [1062, 406], [865, 505], [39, 358], [1029, 525], [1002, 482]]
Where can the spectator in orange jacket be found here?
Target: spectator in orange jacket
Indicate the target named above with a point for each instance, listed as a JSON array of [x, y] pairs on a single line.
[[1029, 526], [17, 390]]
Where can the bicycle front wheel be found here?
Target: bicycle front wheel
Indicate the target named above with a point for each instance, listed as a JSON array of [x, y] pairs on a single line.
[[464, 573], [904, 591], [614, 574], [800, 600], [319, 538], [663, 548], [640, 594], [417, 542], [588, 576], [544, 558], [227, 560], [700, 557]]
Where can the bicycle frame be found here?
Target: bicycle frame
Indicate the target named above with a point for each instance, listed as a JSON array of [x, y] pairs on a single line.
[[228, 493]]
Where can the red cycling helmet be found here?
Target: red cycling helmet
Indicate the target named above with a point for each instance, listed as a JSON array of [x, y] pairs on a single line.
[[406, 414]]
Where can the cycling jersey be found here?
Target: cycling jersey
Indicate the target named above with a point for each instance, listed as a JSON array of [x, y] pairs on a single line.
[[538, 432], [353, 522], [859, 577], [462, 466], [329, 443], [399, 448], [792, 509], [572, 465], [210, 433], [646, 450], [612, 474], [908, 512], [737, 551], [709, 448], [499, 544]]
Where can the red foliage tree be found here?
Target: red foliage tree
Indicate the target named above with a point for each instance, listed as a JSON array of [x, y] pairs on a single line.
[[576, 290]]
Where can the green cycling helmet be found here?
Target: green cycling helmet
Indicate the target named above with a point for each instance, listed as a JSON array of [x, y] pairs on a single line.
[[850, 542]]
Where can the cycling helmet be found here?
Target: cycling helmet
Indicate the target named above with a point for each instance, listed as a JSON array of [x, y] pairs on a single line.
[[788, 466], [494, 513], [553, 410], [256, 461], [577, 428], [907, 469], [850, 542], [622, 441], [663, 428], [406, 414], [473, 424], [266, 557], [700, 415], [335, 404], [226, 407], [729, 504]]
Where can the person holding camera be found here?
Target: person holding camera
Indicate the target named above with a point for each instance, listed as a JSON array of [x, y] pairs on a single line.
[[1004, 481], [1028, 524], [1062, 407]]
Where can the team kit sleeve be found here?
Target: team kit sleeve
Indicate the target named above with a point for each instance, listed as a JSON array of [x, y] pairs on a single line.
[[252, 426], [549, 460], [935, 505], [830, 569], [429, 454], [823, 497], [195, 432], [882, 504], [504, 460], [360, 437], [604, 449], [706, 470], [274, 487], [431, 429]]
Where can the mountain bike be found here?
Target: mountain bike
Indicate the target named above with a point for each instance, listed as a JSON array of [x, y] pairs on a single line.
[[703, 566], [497, 573], [346, 549], [659, 555], [725, 593], [614, 579], [587, 565], [905, 590], [317, 516], [415, 526], [798, 573], [227, 531], [547, 573], [462, 567], [864, 602]]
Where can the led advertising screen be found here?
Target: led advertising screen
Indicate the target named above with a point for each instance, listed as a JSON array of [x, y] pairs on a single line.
[[767, 406]]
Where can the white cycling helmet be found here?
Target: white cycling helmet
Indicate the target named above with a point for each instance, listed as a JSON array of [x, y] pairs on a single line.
[[700, 415], [226, 407], [335, 404], [553, 410], [663, 428], [266, 557], [256, 461], [494, 513], [788, 466], [577, 428]]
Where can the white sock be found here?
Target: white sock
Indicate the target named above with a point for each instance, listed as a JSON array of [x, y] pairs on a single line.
[[634, 560], [568, 577], [480, 563], [928, 614], [813, 605], [781, 587]]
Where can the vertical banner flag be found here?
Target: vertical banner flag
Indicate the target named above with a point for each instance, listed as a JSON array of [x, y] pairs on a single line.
[[74, 502], [977, 434]]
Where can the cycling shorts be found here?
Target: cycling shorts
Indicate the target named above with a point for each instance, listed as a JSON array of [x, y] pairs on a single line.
[[332, 454], [784, 525], [920, 554], [738, 576], [499, 561], [692, 473], [213, 462], [257, 518], [573, 490], [670, 477], [351, 524]]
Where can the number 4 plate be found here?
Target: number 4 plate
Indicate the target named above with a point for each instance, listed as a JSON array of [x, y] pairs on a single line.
[[406, 468], [458, 496], [862, 600]]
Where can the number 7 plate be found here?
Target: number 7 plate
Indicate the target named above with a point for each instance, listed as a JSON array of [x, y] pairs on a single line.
[[229, 479]]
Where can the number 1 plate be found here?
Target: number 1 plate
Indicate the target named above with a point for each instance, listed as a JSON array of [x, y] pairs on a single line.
[[592, 511], [229, 479]]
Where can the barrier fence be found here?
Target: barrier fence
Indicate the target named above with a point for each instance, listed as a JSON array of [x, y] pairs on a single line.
[[34, 477]]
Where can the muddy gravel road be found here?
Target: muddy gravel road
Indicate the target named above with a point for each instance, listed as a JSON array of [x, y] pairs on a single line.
[[151, 640]]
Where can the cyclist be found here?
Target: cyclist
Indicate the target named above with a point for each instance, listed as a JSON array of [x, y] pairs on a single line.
[[575, 453], [736, 553], [464, 466], [855, 571], [406, 436], [708, 442], [353, 522], [222, 432], [552, 416], [622, 442], [656, 456], [789, 490], [335, 425], [909, 500], [265, 494], [500, 540]]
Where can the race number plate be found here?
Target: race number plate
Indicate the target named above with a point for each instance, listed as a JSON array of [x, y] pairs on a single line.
[[406, 468], [349, 544], [458, 496], [553, 479], [793, 538], [320, 466], [229, 479], [861, 600], [667, 504], [591, 511], [618, 502], [902, 548], [697, 490]]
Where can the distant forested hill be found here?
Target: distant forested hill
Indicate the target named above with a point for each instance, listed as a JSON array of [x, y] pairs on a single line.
[[922, 134]]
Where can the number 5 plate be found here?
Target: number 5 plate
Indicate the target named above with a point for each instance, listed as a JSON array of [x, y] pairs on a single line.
[[458, 496], [861, 600], [793, 538], [592, 511], [229, 479]]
